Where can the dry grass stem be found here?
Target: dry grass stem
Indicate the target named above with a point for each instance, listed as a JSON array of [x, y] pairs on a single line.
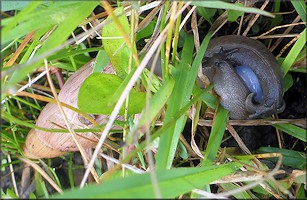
[[251, 22], [277, 42], [279, 27], [288, 45], [73, 134], [43, 173], [12, 174], [256, 122]]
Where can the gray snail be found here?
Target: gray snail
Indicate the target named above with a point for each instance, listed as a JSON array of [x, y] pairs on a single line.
[[246, 76]]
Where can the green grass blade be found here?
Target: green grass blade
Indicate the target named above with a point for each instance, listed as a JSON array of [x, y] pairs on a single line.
[[291, 158], [300, 7], [172, 183], [157, 102], [13, 5], [294, 52], [216, 136], [169, 140], [69, 21], [293, 130], [230, 6], [241, 195]]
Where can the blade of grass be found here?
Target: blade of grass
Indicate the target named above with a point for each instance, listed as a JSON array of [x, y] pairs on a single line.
[[78, 13], [294, 52], [180, 95], [232, 186], [230, 6], [172, 183], [291, 158], [168, 145], [293, 130], [216, 136], [161, 130], [300, 7]]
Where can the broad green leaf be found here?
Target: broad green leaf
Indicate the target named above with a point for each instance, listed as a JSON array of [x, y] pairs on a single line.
[[172, 183], [216, 136], [291, 158], [115, 45], [97, 90], [293, 130], [230, 6], [294, 52]]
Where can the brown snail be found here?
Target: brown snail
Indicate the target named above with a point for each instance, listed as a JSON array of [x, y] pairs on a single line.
[[43, 144]]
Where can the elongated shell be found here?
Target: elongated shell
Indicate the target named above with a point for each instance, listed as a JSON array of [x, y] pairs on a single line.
[[42, 144]]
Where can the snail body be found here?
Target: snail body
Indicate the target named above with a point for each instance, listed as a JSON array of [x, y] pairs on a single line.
[[263, 74], [251, 81]]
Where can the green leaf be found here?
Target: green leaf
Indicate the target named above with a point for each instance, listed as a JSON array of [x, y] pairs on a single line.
[[232, 15], [216, 136], [207, 13], [115, 45], [172, 183], [230, 6], [102, 60], [96, 91], [147, 31], [287, 81], [291, 158], [293, 130]]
